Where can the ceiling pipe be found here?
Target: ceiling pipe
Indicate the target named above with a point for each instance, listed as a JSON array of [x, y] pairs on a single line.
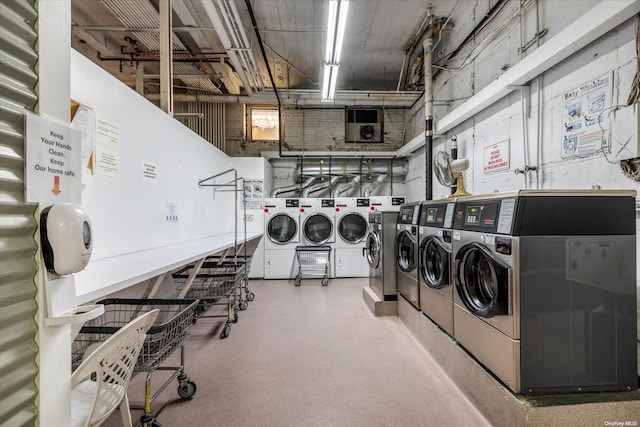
[[427, 45], [248, 52], [214, 17], [254, 23]]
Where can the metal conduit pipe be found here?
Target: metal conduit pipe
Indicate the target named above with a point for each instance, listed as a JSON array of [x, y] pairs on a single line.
[[249, 52], [428, 108], [277, 191], [214, 17], [377, 183], [319, 187]]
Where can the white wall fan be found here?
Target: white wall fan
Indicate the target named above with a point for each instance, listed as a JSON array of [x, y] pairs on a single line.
[[449, 172]]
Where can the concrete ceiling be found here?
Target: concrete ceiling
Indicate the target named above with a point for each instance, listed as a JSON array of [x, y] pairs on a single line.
[[121, 34]]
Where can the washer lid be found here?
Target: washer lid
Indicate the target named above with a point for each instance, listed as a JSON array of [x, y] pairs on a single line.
[[282, 228]]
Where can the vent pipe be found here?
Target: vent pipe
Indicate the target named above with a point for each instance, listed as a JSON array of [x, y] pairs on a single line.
[[377, 183], [319, 187], [289, 188], [355, 181], [428, 109]]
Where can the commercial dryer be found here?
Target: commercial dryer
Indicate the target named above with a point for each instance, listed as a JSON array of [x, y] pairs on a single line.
[[352, 228], [435, 266], [282, 235], [546, 288], [407, 252], [317, 225]]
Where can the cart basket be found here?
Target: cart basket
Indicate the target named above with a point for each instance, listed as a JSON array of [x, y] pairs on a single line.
[[168, 333]]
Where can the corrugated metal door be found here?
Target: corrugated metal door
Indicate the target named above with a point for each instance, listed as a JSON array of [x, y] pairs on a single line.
[[18, 328]]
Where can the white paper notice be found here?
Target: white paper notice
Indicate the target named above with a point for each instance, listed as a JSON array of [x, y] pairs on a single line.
[[107, 147], [149, 172], [85, 122], [52, 161]]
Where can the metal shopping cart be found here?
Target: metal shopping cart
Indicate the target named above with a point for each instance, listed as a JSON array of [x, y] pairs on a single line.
[[169, 332], [213, 283], [313, 261]]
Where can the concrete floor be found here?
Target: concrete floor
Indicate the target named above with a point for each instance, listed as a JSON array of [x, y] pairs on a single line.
[[308, 356]]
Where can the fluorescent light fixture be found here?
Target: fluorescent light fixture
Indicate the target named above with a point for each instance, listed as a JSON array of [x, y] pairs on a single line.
[[335, 35], [329, 80]]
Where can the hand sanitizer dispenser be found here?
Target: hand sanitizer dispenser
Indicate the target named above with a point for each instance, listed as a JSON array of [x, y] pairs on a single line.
[[65, 233]]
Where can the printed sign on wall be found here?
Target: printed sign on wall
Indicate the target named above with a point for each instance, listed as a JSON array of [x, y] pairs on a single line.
[[584, 130], [496, 157], [53, 161]]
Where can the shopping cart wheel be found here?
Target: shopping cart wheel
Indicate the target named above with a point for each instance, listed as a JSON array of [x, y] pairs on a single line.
[[226, 331], [250, 296], [325, 282], [243, 305], [297, 281], [187, 391], [235, 315]]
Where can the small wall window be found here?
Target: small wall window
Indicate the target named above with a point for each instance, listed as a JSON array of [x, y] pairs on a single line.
[[263, 124]]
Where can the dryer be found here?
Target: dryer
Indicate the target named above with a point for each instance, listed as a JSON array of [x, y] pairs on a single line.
[[545, 292], [282, 235], [352, 227], [407, 253], [380, 250], [434, 236], [317, 225]]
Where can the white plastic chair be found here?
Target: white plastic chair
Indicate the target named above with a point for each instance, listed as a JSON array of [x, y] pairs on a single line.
[[95, 397]]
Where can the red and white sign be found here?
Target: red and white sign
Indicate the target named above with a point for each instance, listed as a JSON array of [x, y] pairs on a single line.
[[496, 157]]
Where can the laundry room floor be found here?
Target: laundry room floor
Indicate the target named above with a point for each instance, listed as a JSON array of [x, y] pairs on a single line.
[[307, 356]]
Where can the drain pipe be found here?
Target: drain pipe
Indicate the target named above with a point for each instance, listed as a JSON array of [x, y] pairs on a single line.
[[427, 45]]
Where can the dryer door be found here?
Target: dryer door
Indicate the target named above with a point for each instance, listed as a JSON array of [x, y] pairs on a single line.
[[482, 281], [318, 228], [373, 250], [282, 229], [406, 250], [434, 263], [353, 228]]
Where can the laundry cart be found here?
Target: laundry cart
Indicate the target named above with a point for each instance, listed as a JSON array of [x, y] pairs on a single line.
[[313, 261], [246, 295], [214, 283], [167, 334]]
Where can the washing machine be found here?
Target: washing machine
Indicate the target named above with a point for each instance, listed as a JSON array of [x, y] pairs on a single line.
[[380, 254], [317, 225], [407, 253], [352, 227], [545, 288], [434, 255], [282, 235], [386, 203]]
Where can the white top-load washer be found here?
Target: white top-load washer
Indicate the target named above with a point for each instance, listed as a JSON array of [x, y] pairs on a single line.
[[281, 236], [318, 226], [352, 227]]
